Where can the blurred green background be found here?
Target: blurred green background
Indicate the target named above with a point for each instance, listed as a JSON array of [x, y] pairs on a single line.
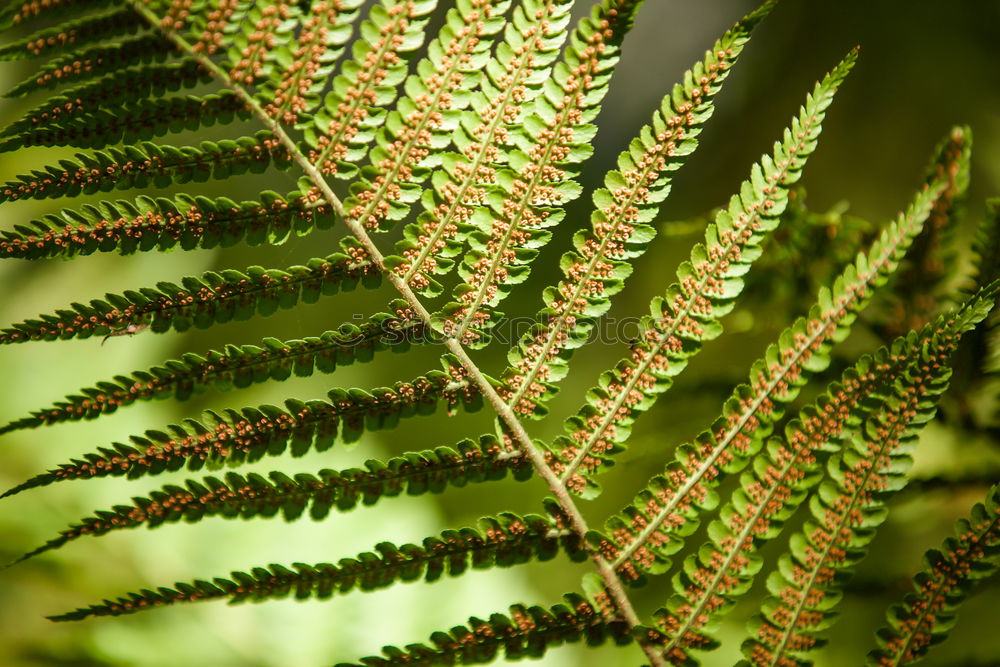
[[924, 67]]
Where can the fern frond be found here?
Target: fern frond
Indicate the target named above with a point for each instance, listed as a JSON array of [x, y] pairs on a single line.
[[925, 616], [234, 437], [136, 121], [303, 68], [201, 301], [135, 83], [246, 497], [501, 541], [848, 506], [753, 408], [163, 224], [239, 367], [74, 33], [619, 225], [898, 382], [406, 145], [690, 311], [528, 632], [146, 164], [225, 17], [18, 13], [93, 63], [511, 81], [251, 55], [554, 138], [354, 109]]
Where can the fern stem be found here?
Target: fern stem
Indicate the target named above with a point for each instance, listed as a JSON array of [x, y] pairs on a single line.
[[612, 581]]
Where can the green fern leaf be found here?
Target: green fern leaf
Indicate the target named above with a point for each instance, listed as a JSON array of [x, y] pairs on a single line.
[[511, 81], [201, 301], [620, 225], [644, 532], [251, 56], [925, 616], [848, 506], [20, 13], [74, 33], [163, 224], [246, 497], [690, 311], [554, 138], [239, 367], [234, 437], [503, 541]]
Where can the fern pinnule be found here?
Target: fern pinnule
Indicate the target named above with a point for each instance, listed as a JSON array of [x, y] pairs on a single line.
[[217, 22], [925, 616], [406, 146], [690, 311], [251, 55], [644, 532], [147, 164], [161, 224], [501, 541], [239, 367], [93, 63], [19, 13], [511, 81], [245, 497], [345, 125], [201, 301], [139, 121], [74, 33], [554, 137], [848, 506], [528, 632], [242, 436], [782, 475], [302, 67], [620, 225]]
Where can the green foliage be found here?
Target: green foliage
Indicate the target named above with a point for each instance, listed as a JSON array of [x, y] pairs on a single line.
[[469, 126]]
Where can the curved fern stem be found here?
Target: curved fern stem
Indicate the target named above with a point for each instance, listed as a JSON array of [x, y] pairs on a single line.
[[690, 311], [75, 33], [242, 436], [925, 616], [779, 483], [555, 137], [619, 223], [162, 224], [748, 415], [246, 497], [528, 632], [511, 81], [201, 301], [238, 367], [847, 508], [501, 541]]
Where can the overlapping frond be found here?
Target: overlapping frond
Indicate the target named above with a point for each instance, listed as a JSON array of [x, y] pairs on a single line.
[[240, 366], [620, 229], [926, 615], [93, 63], [245, 497], [553, 138], [344, 127], [645, 531], [689, 313], [162, 224], [501, 541], [406, 146], [149, 165], [896, 390], [511, 81], [233, 437], [527, 632], [202, 301], [74, 33], [848, 506]]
